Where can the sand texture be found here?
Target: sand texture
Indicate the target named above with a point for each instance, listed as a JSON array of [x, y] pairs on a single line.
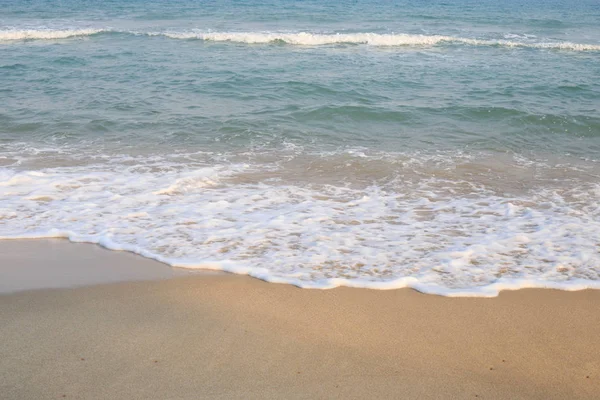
[[57, 263], [227, 336]]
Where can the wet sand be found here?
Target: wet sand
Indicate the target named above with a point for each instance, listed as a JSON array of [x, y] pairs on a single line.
[[226, 336], [58, 263]]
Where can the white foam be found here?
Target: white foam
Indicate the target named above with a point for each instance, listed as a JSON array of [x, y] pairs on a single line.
[[29, 34], [373, 39], [313, 39], [303, 38], [430, 235]]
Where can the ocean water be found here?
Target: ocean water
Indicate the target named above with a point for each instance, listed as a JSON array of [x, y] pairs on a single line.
[[448, 146]]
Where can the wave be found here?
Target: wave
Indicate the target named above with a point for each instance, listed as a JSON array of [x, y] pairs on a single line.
[[373, 39], [31, 34], [440, 234], [303, 38], [310, 39]]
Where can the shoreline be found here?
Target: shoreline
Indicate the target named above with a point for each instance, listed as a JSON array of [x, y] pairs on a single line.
[[149, 267], [232, 336]]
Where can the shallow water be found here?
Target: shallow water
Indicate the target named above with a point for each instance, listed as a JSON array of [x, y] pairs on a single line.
[[453, 148]]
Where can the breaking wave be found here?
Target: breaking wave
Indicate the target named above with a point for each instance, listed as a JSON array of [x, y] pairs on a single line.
[[31, 34], [373, 39], [445, 233], [302, 38]]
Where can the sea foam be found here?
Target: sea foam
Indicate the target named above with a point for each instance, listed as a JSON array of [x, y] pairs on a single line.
[[373, 39], [30, 34], [303, 38], [438, 235]]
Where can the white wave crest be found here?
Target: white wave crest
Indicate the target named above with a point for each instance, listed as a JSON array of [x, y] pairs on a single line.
[[545, 45], [302, 38], [30, 34], [310, 39], [373, 39]]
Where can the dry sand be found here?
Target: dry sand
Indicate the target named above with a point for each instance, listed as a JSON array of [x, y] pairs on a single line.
[[226, 336]]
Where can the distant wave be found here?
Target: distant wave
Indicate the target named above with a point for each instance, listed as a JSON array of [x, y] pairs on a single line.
[[302, 38], [29, 34], [373, 39], [311, 39]]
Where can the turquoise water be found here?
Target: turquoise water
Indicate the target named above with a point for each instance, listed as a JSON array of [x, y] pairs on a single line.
[[453, 147]]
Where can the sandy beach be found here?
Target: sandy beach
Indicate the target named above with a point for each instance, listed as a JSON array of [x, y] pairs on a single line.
[[58, 263], [299, 199], [228, 336]]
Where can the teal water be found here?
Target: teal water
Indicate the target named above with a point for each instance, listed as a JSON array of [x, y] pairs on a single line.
[[453, 147]]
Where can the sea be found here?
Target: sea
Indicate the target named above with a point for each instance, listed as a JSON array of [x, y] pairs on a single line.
[[450, 146]]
